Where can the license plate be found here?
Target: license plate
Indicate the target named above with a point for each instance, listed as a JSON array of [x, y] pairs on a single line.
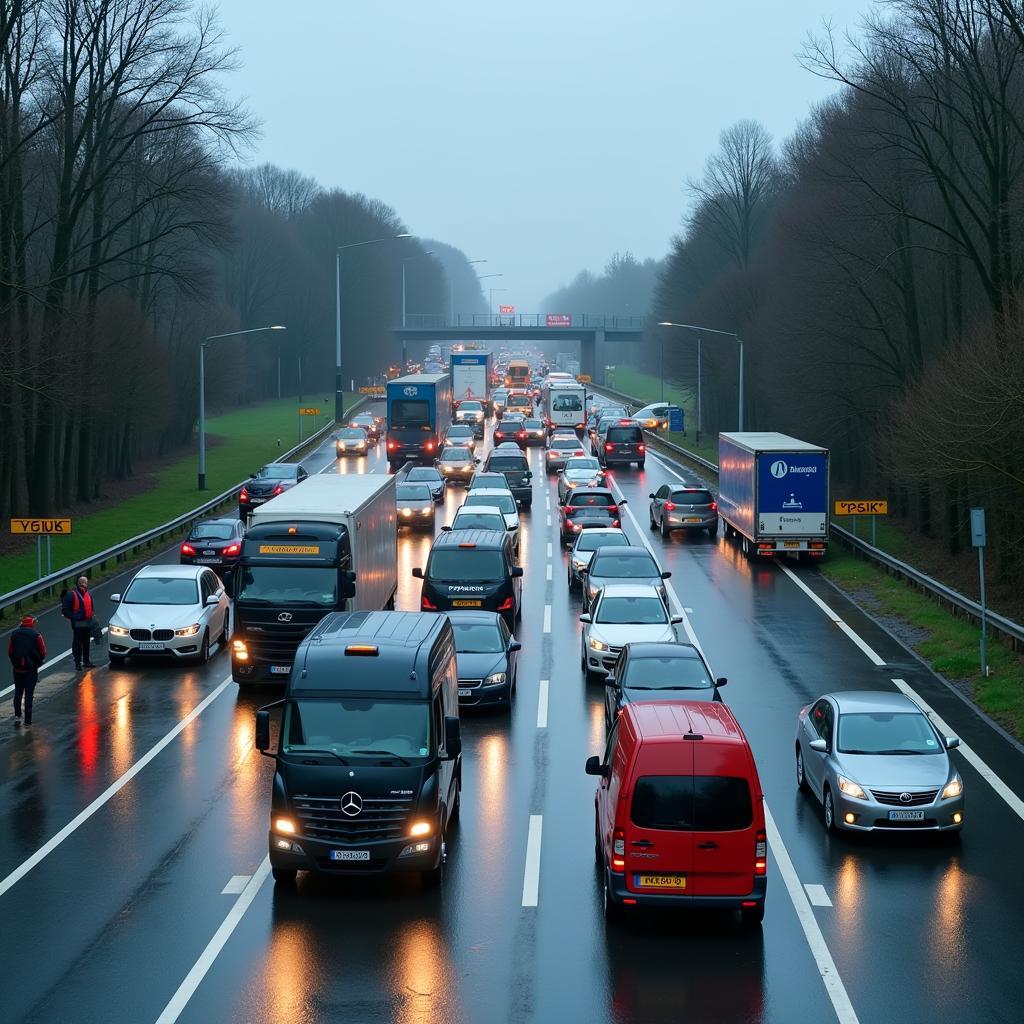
[[280, 670], [662, 881], [906, 815], [257, 501], [693, 519], [152, 647], [791, 543], [465, 693], [209, 551], [467, 604], [350, 854], [206, 561]]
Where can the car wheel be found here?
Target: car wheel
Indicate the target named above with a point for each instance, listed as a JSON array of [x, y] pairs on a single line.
[[598, 853], [284, 876], [654, 525], [527, 505], [713, 530], [664, 529], [583, 660], [115, 660], [225, 632], [453, 817], [801, 778], [830, 811], [612, 910], [433, 878], [640, 464], [568, 580], [204, 650], [752, 916]]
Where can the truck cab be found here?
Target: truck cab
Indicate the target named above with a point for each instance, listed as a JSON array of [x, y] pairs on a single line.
[[369, 757]]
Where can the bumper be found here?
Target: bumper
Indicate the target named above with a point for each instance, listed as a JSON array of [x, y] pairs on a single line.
[[305, 854], [341, 451], [221, 566], [179, 647], [483, 696], [619, 892], [258, 670], [418, 521], [602, 662], [676, 521], [872, 816]]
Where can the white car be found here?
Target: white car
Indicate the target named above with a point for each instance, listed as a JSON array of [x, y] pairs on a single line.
[[622, 613], [492, 497], [176, 611], [484, 517]]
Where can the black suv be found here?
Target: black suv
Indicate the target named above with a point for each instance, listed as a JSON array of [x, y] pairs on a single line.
[[268, 482], [473, 569], [622, 442], [516, 469]]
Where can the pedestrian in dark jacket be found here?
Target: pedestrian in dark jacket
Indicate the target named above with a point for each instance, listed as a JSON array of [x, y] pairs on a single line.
[[76, 607], [27, 651]]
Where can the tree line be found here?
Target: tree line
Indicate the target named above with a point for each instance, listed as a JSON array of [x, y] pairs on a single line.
[[128, 233]]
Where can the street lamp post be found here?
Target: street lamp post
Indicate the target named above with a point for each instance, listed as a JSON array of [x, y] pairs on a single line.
[[201, 482], [339, 394], [451, 294], [728, 334]]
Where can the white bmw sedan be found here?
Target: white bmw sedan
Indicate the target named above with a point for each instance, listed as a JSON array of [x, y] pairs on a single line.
[[169, 611]]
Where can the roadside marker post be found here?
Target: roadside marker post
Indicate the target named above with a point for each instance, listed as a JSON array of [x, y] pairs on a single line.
[[978, 539]]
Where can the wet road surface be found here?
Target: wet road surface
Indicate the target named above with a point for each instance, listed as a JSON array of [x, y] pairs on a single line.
[[133, 879]]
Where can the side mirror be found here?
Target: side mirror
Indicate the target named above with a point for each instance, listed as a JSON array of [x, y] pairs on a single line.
[[444, 529], [666, 575], [418, 572], [452, 737], [651, 495], [262, 731], [476, 462], [585, 617], [594, 766], [515, 646], [213, 599], [721, 681], [952, 742], [512, 527], [676, 619], [517, 571], [347, 583], [819, 745], [115, 598], [612, 682]]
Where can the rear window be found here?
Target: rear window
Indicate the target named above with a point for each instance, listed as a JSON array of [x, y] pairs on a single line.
[[591, 541], [616, 566], [505, 502], [578, 500], [212, 531], [456, 565], [702, 803], [625, 435], [565, 443], [692, 497], [504, 462]]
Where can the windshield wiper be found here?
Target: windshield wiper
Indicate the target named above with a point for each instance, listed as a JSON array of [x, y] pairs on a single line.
[[318, 750], [383, 753], [631, 687], [910, 753]]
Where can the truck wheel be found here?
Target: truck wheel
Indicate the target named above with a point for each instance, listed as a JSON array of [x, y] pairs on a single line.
[[745, 547], [433, 878], [284, 876]]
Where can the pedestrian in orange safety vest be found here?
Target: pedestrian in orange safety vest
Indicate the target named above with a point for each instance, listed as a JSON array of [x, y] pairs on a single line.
[[77, 609]]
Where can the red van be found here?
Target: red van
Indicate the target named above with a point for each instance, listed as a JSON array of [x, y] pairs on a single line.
[[679, 814]]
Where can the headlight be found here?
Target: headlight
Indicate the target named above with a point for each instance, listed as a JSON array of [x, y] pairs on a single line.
[[117, 630], [406, 511], [420, 828], [239, 651], [426, 511], [495, 679], [850, 788], [284, 825], [188, 630], [953, 788], [597, 645]]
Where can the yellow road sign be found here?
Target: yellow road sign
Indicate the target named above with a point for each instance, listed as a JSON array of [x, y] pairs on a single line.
[[42, 527], [311, 411], [583, 378], [375, 390], [869, 507]]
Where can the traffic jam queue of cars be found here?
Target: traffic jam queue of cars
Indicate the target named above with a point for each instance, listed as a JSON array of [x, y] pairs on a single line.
[[310, 563]]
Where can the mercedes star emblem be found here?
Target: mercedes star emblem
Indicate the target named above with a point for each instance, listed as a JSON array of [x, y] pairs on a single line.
[[285, 617], [905, 798], [351, 804]]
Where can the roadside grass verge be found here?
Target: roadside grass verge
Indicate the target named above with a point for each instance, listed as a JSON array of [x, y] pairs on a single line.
[[950, 645], [237, 443]]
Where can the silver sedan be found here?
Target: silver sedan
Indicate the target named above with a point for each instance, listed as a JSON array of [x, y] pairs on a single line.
[[876, 763]]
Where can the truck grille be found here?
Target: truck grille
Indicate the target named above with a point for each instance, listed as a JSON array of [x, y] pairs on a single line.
[[884, 796], [321, 817]]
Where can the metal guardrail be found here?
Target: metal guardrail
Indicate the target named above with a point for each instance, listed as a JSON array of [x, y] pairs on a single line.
[[117, 553], [1011, 631]]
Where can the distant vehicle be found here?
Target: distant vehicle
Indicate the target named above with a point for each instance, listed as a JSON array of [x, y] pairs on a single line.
[[431, 476], [273, 479], [877, 763], [586, 544], [419, 411], [175, 611], [652, 417], [368, 771], [352, 441], [498, 398], [623, 613], [491, 481], [622, 565], [683, 508], [517, 375], [535, 431], [563, 406], [560, 450], [521, 402], [773, 493], [471, 379], [415, 505], [487, 655], [213, 542], [579, 471], [658, 672], [588, 507], [622, 443], [511, 427], [369, 423], [460, 434], [698, 804], [471, 414], [457, 464]]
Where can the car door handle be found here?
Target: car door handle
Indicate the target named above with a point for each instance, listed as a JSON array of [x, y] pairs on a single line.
[[644, 843], [707, 846]]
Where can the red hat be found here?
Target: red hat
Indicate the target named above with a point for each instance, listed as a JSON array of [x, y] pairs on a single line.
[[28, 621]]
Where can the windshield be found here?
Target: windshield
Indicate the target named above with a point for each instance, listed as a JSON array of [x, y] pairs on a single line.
[[629, 566], [533, 424], [161, 590], [880, 732], [692, 497], [505, 502], [456, 455], [592, 540], [503, 462], [583, 467], [425, 474], [470, 406], [477, 638], [458, 564], [478, 521], [275, 472], [564, 443], [347, 726], [289, 585], [460, 432], [567, 403], [365, 420], [356, 433], [581, 499], [412, 492], [212, 531], [645, 611], [666, 674]]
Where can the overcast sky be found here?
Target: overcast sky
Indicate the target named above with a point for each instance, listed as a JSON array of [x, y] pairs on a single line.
[[541, 136]]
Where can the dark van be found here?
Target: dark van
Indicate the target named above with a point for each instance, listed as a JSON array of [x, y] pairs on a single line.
[[472, 569], [369, 758], [680, 812], [622, 442], [516, 469]]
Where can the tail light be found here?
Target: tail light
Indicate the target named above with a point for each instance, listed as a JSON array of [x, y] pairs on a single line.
[[521, 433], [428, 446], [814, 544], [640, 448], [426, 605], [761, 854], [616, 524], [608, 446], [392, 446], [766, 549], [279, 489], [579, 426], [187, 549], [233, 549], [244, 496], [714, 506], [506, 605], [618, 850], [670, 506], [613, 508]]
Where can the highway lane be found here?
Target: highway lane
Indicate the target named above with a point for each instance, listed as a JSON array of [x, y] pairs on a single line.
[[112, 922]]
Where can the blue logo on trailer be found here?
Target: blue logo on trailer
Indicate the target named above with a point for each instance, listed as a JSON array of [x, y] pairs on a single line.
[[793, 482]]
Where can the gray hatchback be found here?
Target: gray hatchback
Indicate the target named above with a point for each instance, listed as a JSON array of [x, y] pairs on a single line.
[[683, 508]]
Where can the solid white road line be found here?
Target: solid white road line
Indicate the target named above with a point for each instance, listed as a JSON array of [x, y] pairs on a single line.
[[815, 940], [817, 895], [45, 665], [172, 1011], [549, 571], [47, 848], [542, 705], [1013, 801], [531, 876], [236, 885], [547, 618]]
